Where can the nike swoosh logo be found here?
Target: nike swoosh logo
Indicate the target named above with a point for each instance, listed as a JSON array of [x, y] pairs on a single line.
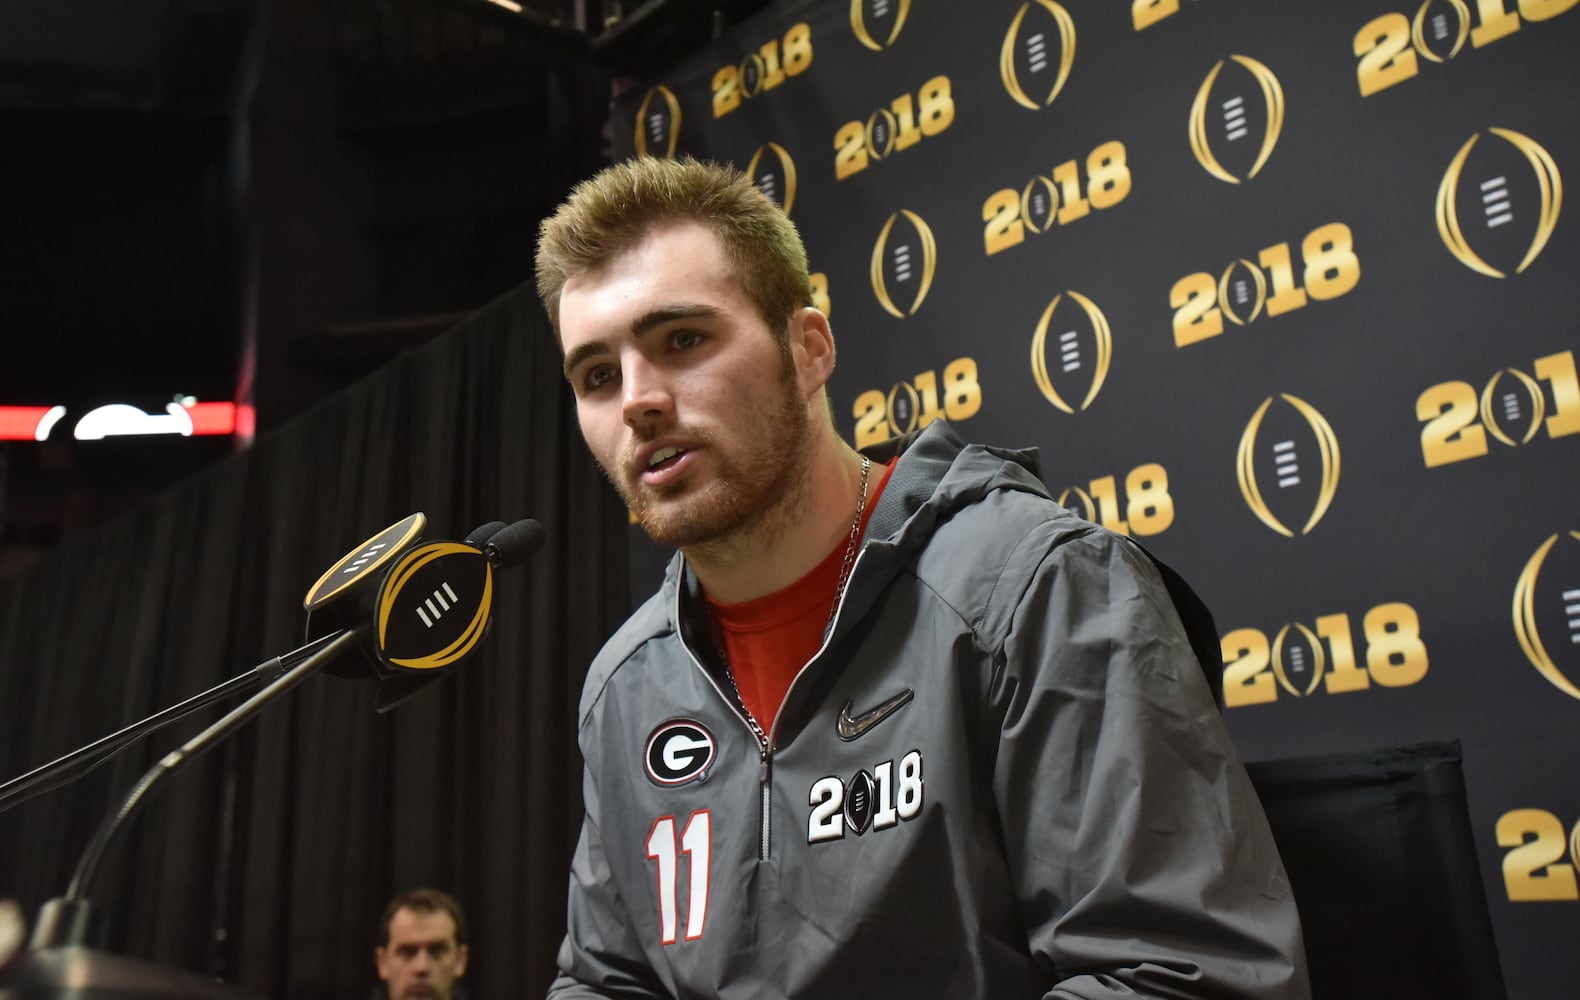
[[853, 727]]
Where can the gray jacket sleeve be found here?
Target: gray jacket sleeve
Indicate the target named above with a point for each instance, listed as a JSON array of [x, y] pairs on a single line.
[[600, 956], [1143, 863]]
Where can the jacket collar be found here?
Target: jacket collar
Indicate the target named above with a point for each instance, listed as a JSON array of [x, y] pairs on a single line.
[[937, 474]]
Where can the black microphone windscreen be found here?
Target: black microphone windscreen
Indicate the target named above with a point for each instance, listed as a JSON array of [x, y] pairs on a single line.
[[483, 532], [509, 546]]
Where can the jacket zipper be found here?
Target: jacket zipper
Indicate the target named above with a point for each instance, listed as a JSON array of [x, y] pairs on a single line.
[[764, 750], [769, 741], [764, 763], [765, 779], [833, 626], [765, 745]]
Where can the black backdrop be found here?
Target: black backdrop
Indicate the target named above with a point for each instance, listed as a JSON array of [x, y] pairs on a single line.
[[1285, 289], [1435, 442], [268, 860]]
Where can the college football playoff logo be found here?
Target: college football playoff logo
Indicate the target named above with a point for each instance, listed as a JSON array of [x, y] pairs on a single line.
[[1038, 51], [1547, 603], [1299, 463], [433, 607], [875, 19], [1231, 110], [1498, 203], [1440, 44], [1085, 346], [1298, 660], [1501, 413], [1078, 501], [658, 123], [773, 171], [904, 260], [902, 408], [1242, 292]]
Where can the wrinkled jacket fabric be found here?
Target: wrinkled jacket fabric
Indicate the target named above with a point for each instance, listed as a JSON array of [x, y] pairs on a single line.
[[1057, 811]]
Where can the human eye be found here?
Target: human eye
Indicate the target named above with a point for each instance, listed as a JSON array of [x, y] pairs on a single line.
[[685, 339], [596, 377]]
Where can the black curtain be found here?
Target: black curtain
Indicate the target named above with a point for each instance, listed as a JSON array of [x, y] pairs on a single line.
[[267, 861]]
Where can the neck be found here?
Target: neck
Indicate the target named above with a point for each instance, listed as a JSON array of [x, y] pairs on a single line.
[[788, 540]]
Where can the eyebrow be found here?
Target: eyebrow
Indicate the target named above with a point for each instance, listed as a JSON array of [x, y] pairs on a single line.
[[640, 327]]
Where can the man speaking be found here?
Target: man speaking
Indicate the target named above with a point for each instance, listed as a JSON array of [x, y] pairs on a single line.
[[895, 725]]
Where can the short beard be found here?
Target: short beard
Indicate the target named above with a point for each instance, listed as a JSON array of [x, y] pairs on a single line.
[[752, 496]]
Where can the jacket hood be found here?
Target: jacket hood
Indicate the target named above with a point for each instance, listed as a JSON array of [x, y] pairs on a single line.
[[937, 475]]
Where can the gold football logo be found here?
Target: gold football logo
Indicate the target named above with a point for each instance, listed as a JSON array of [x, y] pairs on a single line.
[[1564, 611], [1574, 841], [1228, 302], [1070, 352], [1424, 43], [1236, 120], [858, 21], [1287, 460], [1075, 494], [658, 123], [1536, 411], [423, 588], [1497, 203], [777, 179], [911, 261], [1033, 49], [1283, 658]]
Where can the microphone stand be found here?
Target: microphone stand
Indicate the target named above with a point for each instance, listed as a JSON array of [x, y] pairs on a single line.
[[61, 960], [64, 922], [18, 790]]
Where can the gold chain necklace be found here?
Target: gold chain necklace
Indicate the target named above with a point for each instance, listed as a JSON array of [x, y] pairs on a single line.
[[839, 593]]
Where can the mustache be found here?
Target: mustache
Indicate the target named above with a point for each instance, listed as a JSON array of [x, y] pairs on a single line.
[[640, 439]]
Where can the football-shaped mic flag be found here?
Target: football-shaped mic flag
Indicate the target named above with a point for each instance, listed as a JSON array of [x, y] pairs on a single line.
[[436, 600], [365, 561], [433, 606], [343, 598], [419, 607]]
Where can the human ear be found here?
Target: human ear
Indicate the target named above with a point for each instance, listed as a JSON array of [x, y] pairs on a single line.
[[812, 347]]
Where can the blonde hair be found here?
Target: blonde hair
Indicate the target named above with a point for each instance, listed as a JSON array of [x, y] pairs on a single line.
[[612, 211]]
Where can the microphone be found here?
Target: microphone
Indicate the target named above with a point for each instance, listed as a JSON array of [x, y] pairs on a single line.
[[483, 532], [509, 545], [425, 605], [412, 608]]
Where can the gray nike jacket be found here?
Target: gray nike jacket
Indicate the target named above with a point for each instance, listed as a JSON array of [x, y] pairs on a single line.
[[1003, 775]]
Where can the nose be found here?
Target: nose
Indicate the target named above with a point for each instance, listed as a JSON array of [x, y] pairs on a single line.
[[645, 393]]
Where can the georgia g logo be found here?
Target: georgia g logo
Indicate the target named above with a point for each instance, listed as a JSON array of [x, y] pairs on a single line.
[[1299, 444], [679, 751], [1511, 203], [1547, 603], [1222, 119]]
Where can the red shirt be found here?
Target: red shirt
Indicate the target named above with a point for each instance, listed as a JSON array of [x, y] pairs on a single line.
[[768, 640]]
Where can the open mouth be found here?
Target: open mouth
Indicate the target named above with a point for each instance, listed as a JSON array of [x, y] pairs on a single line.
[[664, 458]]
